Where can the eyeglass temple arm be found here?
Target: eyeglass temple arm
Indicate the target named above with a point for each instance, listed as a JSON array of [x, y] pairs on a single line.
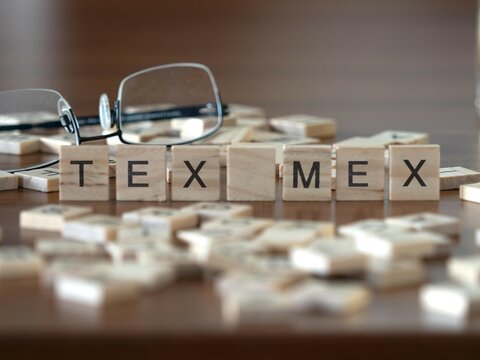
[[186, 111]]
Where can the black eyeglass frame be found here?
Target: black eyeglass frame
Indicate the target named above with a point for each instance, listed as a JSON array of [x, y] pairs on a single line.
[[72, 123]]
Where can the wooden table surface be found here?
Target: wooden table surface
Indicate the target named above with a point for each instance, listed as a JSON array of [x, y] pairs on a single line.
[[372, 65]]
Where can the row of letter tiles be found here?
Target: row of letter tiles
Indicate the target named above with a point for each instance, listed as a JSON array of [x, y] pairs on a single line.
[[307, 173]]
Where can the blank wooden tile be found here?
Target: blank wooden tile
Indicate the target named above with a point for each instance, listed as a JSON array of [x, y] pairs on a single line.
[[251, 173], [394, 274], [444, 224], [140, 173], [51, 217], [84, 173], [44, 180], [392, 137], [330, 297], [146, 276], [65, 248], [246, 226], [470, 192], [93, 228], [132, 250], [94, 290], [231, 135], [246, 111], [403, 244], [414, 172], [360, 173], [195, 173], [218, 210], [52, 144], [19, 144], [8, 181], [452, 177], [307, 173], [284, 235], [458, 301], [465, 269], [305, 125], [335, 256], [19, 262], [169, 219], [377, 226]]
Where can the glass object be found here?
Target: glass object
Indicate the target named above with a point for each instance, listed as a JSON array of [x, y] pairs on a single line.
[[165, 105]]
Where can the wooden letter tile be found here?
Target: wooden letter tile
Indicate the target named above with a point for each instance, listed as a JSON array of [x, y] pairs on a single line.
[[51, 217], [18, 262], [414, 172], [195, 173], [452, 177], [44, 180], [444, 224], [360, 173], [305, 125], [84, 173], [19, 144], [93, 228], [140, 173], [307, 173], [169, 219], [470, 192], [251, 173], [219, 210], [8, 181]]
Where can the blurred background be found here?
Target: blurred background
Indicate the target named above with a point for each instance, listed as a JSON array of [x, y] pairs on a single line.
[[370, 64]]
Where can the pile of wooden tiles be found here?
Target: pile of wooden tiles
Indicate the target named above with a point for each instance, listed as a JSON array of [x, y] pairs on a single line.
[[261, 269]]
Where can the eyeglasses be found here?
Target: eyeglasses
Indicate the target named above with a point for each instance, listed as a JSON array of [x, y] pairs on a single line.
[[167, 105]]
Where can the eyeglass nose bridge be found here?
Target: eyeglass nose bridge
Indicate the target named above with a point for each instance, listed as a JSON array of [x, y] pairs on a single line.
[[105, 113], [66, 116]]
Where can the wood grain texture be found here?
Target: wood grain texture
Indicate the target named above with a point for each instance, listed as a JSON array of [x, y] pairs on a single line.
[[251, 173], [8, 181], [360, 173], [140, 173], [408, 184], [302, 163], [43, 180], [94, 184], [195, 173]]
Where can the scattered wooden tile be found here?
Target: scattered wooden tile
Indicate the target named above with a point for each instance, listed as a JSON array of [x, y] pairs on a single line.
[[414, 172], [470, 192], [330, 297], [246, 111], [403, 244], [246, 226], [8, 181], [250, 173], [51, 217], [452, 177], [95, 290], [93, 228], [64, 265], [284, 235], [259, 123], [133, 249], [305, 125], [333, 256], [140, 173], [44, 180], [142, 233], [454, 300], [18, 144], [147, 276], [444, 224], [465, 269], [392, 137], [256, 307], [394, 274], [196, 173], [19, 262], [232, 135], [306, 173], [65, 248], [360, 173], [219, 210], [84, 173], [145, 133], [369, 225], [51, 144], [170, 220]]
